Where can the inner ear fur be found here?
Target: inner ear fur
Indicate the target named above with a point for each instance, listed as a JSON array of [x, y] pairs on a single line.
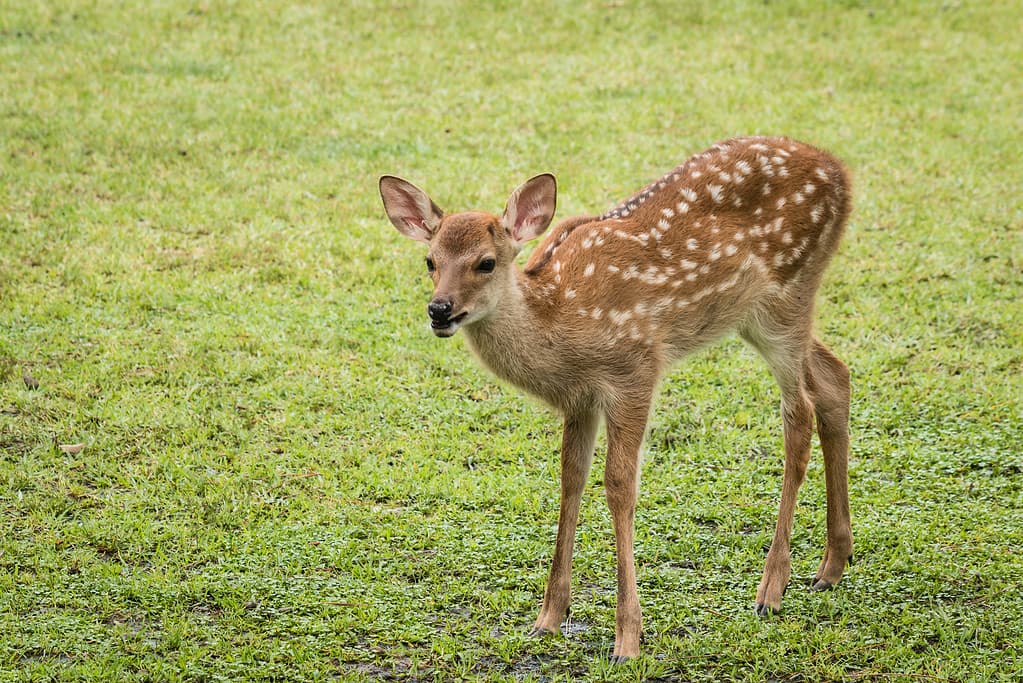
[[531, 208], [410, 209]]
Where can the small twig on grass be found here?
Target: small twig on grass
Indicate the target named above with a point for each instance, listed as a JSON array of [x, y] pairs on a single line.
[[392, 507], [984, 598], [300, 475], [887, 675]]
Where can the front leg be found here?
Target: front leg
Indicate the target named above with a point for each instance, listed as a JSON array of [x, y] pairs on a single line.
[[626, 425], [576, 455]]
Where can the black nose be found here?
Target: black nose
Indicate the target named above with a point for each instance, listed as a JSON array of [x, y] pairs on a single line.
[[439, 310]]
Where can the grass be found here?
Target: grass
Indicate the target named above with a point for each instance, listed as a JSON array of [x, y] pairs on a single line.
[[286, 477]]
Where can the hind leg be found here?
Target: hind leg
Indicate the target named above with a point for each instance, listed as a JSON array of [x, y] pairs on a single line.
[[783, 345], [797, 416], [827, 379]]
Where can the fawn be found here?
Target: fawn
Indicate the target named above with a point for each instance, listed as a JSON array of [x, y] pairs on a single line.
[[736, 238]]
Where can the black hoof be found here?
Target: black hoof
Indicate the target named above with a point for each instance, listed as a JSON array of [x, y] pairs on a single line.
[[619, 659], [537, 632], [852, 560], [821, 585], [764, 611]]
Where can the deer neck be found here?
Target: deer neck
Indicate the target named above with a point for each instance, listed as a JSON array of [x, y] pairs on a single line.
[[513, 341]]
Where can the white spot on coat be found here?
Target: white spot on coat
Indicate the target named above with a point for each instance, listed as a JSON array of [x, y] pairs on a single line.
[[816, 213], [619, 317], [641, 238], [728, 284]]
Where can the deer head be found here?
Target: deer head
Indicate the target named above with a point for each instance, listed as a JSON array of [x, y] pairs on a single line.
[[471, 254]]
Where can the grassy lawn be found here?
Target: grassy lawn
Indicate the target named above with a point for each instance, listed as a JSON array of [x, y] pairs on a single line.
[[285, 476]]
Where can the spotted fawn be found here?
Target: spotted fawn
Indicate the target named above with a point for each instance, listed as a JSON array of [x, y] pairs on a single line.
[[736, 238]]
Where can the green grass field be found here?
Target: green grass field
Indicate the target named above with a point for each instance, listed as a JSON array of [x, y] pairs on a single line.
[[285, 476]]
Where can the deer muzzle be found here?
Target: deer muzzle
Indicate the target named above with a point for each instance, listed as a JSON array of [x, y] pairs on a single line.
[[442, 322]]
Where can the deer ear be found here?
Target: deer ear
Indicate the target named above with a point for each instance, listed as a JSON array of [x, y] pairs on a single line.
[[531, 208], [410, 209]]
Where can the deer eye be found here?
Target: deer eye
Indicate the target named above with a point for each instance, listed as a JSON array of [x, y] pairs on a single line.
[[487, 265], [429, 264]]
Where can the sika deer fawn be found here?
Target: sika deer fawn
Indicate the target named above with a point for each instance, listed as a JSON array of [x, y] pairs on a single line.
[[736, 238]]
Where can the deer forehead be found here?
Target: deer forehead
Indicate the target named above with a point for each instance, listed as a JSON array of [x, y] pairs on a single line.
[[468, 235]]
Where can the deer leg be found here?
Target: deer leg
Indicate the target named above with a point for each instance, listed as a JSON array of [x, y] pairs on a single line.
[[797, 416], [576, 455], [829, 379], [626, 425]]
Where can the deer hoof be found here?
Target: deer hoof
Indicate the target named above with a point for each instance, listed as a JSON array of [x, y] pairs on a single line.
[[821, 585], [763, 611], [538, 632], [619, 659]]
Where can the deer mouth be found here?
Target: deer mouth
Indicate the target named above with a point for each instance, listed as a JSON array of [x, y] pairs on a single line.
[[446, 328]]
